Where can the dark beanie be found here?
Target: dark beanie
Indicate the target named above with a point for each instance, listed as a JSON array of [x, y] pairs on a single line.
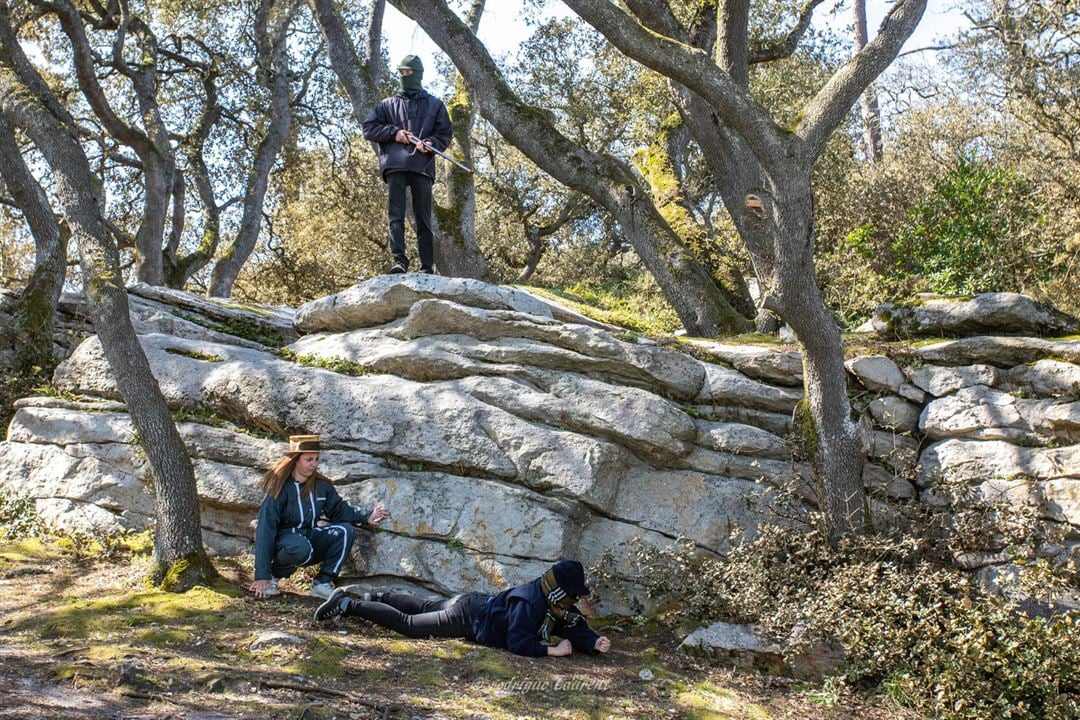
[[411, 82], [571, 577]]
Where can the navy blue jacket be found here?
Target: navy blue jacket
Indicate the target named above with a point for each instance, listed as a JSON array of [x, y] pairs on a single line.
[[291, 511], [513, 621], [419, 112]]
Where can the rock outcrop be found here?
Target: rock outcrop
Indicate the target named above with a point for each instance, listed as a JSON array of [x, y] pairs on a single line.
[[1001, 313], [503, 435]]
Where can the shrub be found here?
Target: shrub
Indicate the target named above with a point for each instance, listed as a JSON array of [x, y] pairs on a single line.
[[910, 624], [970, 234], [19, 518]]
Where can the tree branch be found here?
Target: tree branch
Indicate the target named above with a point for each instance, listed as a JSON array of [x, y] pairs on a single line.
[[824, 113], [693, 68], [787, 46]]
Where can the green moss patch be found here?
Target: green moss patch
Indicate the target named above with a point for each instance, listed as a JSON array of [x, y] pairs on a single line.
[[334, 364], [120, 615]]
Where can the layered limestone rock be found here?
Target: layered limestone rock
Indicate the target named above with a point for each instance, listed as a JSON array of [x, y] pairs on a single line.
[[504, 434]]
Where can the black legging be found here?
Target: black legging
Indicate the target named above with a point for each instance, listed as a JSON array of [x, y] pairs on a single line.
[[416, 618]]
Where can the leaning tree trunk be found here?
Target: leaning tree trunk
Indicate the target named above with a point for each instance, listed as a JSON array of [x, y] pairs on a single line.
[[178, 549], [34, 315]]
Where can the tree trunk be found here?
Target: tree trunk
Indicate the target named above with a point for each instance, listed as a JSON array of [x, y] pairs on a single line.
[[868, 103], [178, 541], [157, 188], [357, 75], [831, 434], [34, 314], [456, 251]]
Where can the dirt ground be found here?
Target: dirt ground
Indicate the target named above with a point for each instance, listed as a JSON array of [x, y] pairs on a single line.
[[82, 636]]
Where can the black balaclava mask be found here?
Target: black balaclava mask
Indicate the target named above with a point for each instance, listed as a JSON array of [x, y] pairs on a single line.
[[411, 82]]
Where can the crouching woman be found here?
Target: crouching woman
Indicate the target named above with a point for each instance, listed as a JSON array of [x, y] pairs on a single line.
[[288, 536], [523, 619]]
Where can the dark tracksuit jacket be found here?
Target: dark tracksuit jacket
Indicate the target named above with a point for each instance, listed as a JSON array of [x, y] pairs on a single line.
[[419, 112], [513, 621], [293, 512]]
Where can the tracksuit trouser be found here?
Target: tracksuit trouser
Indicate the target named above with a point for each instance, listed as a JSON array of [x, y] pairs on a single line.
[[327, 544]]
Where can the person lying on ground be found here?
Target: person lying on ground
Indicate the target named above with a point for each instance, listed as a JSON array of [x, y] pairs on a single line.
[[288, 538], [523, 619]]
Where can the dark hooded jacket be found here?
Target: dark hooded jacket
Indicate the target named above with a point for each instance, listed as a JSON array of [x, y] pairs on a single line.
[[513, 621], [419, 112]]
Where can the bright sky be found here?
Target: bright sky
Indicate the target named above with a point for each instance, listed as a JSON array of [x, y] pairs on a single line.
[[502, 29]]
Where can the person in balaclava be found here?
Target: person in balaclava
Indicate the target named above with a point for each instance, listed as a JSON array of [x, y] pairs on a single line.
[[524, 620], [408, 162]]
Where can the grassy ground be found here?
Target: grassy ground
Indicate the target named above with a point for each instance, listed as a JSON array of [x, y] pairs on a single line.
[[83, 637]]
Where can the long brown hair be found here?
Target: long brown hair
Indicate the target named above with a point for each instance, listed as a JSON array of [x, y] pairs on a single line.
[[282, 470]]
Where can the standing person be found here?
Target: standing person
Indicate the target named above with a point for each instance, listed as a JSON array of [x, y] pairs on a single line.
[[287, 538], [523, 619], [402, 125]]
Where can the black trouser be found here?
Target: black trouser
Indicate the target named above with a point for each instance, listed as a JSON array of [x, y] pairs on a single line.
[[421, 204], [416, 618]]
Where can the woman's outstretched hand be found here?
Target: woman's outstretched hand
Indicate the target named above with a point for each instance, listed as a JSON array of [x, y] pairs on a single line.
[[259, 587], [603, 644], [377, 515]]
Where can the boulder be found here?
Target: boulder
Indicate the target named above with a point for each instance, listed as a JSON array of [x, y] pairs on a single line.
[[974, 461], [272, 323], [779, 424], [442, 340], [877, 372], [899, 452], [983, 413], [741, 439], [768, 364], [1000, 313], [724, 386], [387, 297], [940, 381], [1047, 378], [743, 646], [1003, 352], [894, 413], [887, 482]]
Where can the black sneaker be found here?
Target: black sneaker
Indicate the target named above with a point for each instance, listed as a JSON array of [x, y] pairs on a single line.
[[336, 606], [426, 271], [398, 269]]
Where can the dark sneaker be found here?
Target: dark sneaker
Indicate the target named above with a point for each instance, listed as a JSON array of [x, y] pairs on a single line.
[[335, 607], [426, 271], [398, 269]]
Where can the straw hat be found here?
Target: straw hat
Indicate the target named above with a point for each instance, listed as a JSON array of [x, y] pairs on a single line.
[[303, 443]]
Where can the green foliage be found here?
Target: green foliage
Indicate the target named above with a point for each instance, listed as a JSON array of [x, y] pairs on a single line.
[[240, 327], [194, 355], [967, 236], [19, 518]]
